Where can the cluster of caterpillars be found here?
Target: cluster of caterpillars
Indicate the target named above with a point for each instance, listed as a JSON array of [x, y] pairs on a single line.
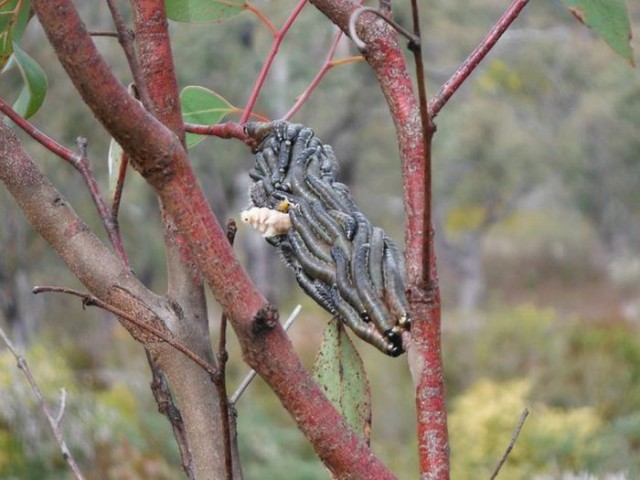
[[349, 267]]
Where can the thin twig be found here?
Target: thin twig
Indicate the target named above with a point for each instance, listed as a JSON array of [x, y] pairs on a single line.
[[275, 45], [117, 193], [427, 134], [53, 422], [90, 300], [252, 373], [63, 405], [262, 17], [514, 439], [36, 134], [82, 164], [474, 59], [220, 130], [221, 380], [329, 63], [102, 33], [125, 37]]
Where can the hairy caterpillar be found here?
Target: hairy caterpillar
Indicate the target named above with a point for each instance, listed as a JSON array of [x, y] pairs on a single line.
[[349, 267]]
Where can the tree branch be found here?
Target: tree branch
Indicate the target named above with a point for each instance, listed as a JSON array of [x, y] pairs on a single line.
[[424, 353], [90, 300], [197, 398], [474, 59], [158, 154], [81, 163]]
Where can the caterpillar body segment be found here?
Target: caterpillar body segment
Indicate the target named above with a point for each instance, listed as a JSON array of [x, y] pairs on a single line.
[[394, 294], [327, 194], [377, 310], [313, 267], [376, 254], [345, 285], [339, 259], [348, 224], [312, 242]]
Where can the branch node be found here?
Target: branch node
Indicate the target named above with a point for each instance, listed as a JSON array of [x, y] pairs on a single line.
[[266, 319], [353, 19]]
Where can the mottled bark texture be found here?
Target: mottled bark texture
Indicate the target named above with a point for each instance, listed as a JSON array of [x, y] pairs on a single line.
[[158, 154], [384, 55]]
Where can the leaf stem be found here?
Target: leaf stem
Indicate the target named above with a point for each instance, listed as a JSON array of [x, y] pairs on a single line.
[[263, 18]]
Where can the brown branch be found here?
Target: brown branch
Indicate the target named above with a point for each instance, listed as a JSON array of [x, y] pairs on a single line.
[[117, 193], [47, 142], [221, 130], [101, 33], [385, 57], [428, 129], [160, 157], [252, 373], [81, 163], [512, 442], [196, 397], [221, 380], [166, 406], [474, 59], [54, 422], [89, 300], [125, 38]]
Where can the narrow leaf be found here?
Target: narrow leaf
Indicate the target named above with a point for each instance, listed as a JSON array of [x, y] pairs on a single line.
[[35, 88], [202, 107], [115, 157], [609, 19], [203, 11], [338, 369]]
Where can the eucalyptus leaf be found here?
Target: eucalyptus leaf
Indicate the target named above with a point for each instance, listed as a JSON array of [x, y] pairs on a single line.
[[14, 16], [609, 19], [339, 370], [203, 11], [202, 107], [35, 80]]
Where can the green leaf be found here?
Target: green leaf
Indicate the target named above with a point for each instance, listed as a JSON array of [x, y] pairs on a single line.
[[35, 89], [203, 11], [14, 16], [338, 369], [203, 107], [609, 19]]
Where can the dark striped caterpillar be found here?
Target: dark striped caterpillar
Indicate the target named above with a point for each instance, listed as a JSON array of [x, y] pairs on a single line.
[[349, 267]]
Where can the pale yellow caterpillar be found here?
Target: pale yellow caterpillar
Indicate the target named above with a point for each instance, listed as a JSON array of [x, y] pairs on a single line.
[[268, 222]]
